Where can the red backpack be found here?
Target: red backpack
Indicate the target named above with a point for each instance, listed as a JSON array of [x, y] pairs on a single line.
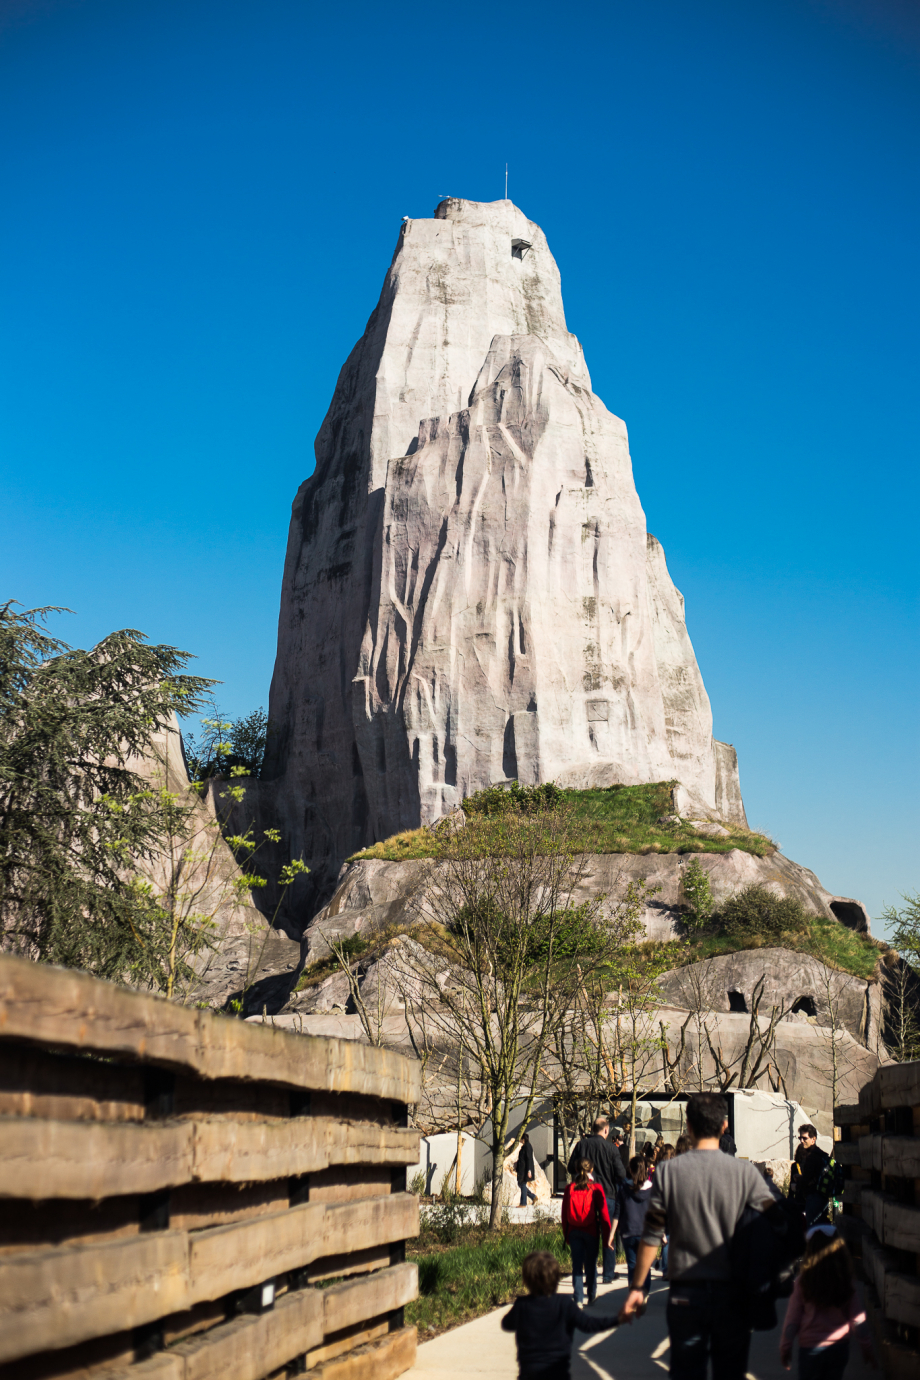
[[585, 1208]]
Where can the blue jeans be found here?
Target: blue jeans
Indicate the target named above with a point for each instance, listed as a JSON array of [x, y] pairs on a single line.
[[584, 1261], [630, 1249], [524, 1193], [704, 1320], [824, 1362]]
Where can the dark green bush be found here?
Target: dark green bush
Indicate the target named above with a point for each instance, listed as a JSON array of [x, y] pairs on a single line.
[[499, 800], [757, 910]]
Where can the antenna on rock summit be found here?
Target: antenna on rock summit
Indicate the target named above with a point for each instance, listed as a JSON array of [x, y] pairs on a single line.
[[506, 181]]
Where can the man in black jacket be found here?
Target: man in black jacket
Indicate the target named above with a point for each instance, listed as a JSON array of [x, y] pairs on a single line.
[[805, 1184], [524, 1170], [609, 1172]]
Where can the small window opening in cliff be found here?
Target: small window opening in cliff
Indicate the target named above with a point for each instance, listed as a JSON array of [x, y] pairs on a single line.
[[519, 248], [806, 1004], [736, 1002]]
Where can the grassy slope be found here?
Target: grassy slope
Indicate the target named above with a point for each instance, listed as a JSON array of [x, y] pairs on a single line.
[[624, 819], [826, 940], [619, 819]]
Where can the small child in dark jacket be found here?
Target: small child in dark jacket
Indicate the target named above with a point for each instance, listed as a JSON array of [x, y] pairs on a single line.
[[544, 1323]]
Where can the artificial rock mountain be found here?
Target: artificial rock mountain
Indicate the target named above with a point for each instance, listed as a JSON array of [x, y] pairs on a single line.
[[470, 592]]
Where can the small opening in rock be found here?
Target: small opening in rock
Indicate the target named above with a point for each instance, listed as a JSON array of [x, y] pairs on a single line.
[[736, 1001], [851, 914], [806, 1004], [519, 248]]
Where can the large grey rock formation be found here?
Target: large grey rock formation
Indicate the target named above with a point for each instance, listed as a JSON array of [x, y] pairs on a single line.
[[470, 592], [373, 895]]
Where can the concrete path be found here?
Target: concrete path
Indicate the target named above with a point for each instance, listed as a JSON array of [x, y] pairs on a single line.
[[639, 1352]]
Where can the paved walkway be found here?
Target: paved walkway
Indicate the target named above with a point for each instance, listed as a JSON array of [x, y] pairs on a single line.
[[639, 1352]]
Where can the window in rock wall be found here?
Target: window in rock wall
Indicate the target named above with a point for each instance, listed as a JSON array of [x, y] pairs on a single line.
[[736, 1002]]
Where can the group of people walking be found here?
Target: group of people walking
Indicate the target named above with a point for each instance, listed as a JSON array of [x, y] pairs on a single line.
[[710, 1220]]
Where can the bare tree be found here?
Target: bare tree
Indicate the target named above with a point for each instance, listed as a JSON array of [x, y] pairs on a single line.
[[757, 1058], [504, 949], [901, 1002]]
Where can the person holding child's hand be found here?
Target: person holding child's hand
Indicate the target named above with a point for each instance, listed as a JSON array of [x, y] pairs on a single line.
[[544, 1324]]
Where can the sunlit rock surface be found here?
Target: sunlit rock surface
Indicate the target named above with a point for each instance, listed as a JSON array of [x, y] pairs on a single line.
[[470, 592]]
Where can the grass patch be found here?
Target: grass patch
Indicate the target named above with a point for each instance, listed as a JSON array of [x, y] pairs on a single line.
[[827, 940], [618, 819], [479, 1272]]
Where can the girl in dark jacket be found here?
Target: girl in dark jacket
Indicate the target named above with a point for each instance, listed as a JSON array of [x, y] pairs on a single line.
[[632, 1201], [584, 1219]]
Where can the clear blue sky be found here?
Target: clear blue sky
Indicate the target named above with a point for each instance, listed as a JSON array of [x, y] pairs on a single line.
[[201, 199]]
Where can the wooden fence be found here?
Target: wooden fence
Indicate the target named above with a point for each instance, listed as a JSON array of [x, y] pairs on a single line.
[[880, 1148], [187, 1196]]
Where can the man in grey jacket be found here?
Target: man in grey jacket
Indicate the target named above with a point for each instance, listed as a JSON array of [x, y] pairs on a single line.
[[700, 1197]]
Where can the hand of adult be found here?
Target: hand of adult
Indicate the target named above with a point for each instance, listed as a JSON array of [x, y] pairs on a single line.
[[634, 1306]]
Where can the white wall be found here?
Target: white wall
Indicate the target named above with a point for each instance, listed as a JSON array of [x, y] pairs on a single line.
[[766, 1126], [438, 1155]]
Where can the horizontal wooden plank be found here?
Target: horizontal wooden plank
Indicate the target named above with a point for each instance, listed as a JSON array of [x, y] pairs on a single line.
[[60, 1159], [37, 1082], [346, 1340], [898, 1294], [847, 1114], [370, 1222], [370, 1296], [249, 1348], [900, 1156], [896, 1224], [65, 1009], [56, 1298], [90, 1159], [383, 1360], [354, 1263], [899, 1085], [847, 1152], [235, 1257], [901, 1227], [245, 1348], [274, 1150]]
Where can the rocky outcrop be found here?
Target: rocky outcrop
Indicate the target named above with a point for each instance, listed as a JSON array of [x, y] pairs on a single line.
[[249, 959], [373, 895], [470, 592], [809, 991]]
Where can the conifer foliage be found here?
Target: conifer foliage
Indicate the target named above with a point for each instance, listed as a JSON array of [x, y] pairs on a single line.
[[74, 811]]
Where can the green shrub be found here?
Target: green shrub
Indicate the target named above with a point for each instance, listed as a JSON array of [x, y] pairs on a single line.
[[697, 895], [500, 800], [757, 910], [447, 1219]]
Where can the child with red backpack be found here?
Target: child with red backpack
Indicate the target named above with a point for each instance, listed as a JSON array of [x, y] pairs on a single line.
[[584, 1218]]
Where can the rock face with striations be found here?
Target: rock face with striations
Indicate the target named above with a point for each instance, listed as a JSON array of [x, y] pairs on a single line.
[[470, 592]]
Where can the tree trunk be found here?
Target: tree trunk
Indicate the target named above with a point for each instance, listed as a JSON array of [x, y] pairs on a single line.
[[498, 1165]]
